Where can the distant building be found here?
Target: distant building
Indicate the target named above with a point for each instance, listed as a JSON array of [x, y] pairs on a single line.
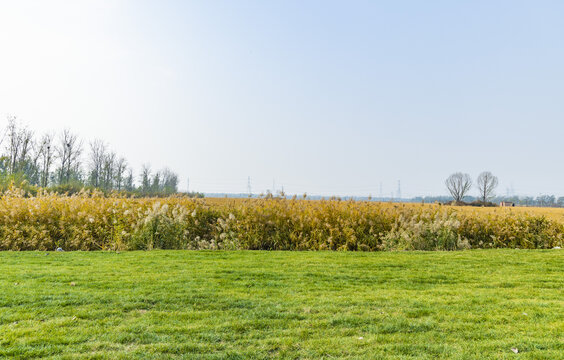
[[506, 204]]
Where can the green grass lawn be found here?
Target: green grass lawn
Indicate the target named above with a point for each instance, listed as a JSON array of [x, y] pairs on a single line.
[[309, 305]]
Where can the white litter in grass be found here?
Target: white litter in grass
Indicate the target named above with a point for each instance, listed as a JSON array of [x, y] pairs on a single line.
[[360, 338], [515, 350], [60, 249], [557, 247], [525, 314]]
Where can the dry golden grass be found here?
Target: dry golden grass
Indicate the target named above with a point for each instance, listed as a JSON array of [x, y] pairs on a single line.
[[556, 214], [93, 222]]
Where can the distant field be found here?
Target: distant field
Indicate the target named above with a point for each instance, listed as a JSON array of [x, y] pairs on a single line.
[[475, 304], [551, 213]]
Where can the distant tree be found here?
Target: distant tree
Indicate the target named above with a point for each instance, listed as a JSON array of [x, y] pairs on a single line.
[[57, 163], [19, 146], [96, 162], [128, 184], [30, 166], [169, 182], [486, 184], [68, 153], [156, 183], [524, 201], [458, 185], [46, 157], [546, 200], [119, 173], [13, 146], [145, 178], [108, 170]]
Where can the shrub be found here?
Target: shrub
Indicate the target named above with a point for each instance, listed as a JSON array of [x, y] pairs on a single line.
[[426, 231]]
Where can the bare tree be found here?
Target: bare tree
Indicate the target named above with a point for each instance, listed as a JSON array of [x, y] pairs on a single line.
[[14, 141], [19, 147], [68, 152], [27, 144], [32, 167], [486, 184], [458, 184], [46, 154], [121, 166], [97, 156], [108, 170]]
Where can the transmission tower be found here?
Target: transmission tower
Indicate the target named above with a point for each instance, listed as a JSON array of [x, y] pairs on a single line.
[[249, 186], [399, 189]]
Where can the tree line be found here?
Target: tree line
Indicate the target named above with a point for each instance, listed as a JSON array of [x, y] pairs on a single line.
[[64, 163], [459, 184]]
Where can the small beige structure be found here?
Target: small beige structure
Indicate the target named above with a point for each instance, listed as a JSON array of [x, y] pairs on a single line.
[[506, 204]]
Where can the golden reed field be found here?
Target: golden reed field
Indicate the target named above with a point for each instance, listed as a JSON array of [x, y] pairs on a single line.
[[552, 213], [90, 221]]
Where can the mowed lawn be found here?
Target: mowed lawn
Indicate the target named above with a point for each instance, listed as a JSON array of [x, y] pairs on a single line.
[[299, 305]]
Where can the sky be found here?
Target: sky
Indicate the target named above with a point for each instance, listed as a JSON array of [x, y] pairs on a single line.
[[324, 97]]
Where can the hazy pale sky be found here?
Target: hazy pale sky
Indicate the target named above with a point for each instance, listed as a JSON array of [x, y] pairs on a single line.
[[324, 97]]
